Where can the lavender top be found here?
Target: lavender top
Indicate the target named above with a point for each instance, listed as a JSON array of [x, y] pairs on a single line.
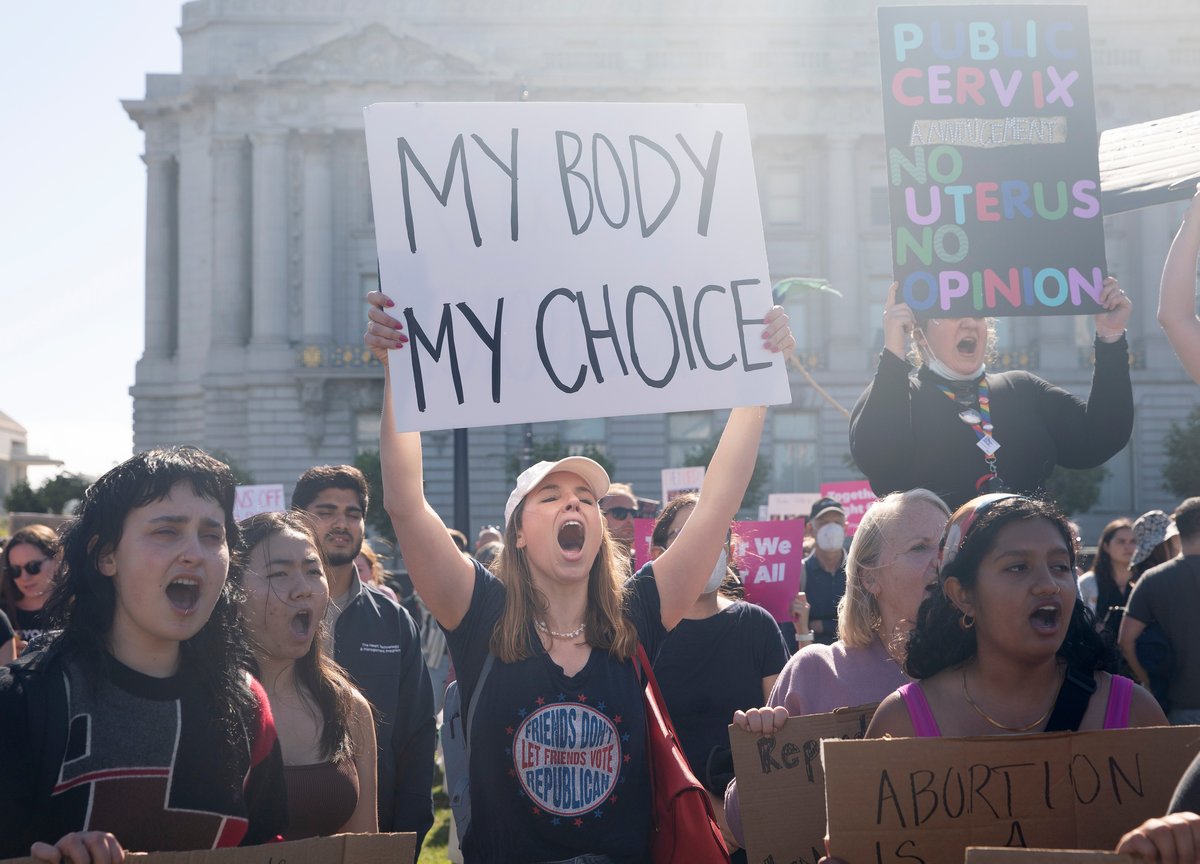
[[819, 679]]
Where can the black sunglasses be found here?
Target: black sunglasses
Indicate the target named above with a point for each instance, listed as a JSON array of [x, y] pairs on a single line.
[[621, 513], [32, 568]]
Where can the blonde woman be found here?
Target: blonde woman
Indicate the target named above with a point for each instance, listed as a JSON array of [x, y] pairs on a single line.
[[891, 563]]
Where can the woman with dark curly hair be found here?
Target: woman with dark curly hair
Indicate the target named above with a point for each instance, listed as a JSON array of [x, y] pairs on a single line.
[[1005, 646], [138, 726]]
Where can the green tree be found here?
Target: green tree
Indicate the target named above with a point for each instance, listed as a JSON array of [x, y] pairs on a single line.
[[377, 518], [22, 499], [1075, 491], [1182, 471], [58, 491], [702, 455], [241, 476], [551, 450]]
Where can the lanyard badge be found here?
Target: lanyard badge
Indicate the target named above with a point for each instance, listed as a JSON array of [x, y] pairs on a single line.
[[981, 423]]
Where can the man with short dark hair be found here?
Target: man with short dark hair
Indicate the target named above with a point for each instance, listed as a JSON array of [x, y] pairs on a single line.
[[1169, 595], [376, 641], [619, 507]]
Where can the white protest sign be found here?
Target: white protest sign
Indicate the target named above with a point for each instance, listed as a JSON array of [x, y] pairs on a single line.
[[557, 261], [790, 505], [678, 481], [249, 500]]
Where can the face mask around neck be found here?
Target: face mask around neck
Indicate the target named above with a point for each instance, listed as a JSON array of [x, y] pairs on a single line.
[[718, 574], [937, 367]]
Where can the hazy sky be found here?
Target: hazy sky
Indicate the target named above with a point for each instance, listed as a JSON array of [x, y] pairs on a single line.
[[72, 219]]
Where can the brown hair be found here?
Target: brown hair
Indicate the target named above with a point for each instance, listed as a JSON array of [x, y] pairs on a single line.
[[608, 628], [38, 536], [324, 679]]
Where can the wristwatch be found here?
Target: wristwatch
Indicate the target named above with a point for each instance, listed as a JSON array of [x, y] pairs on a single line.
[[804, 638]]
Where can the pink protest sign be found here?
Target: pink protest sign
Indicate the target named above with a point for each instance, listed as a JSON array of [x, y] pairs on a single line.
[[855, 496], [769, 556], [642, 529]]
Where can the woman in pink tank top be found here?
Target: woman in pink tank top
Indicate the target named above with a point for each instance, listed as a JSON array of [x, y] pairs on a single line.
[[1004, 646]]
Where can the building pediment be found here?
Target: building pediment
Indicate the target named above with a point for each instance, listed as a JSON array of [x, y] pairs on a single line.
[[376, 52]]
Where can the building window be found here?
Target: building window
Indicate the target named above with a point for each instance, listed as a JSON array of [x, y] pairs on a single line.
[[794, 462], [686, 432], [785, 196]]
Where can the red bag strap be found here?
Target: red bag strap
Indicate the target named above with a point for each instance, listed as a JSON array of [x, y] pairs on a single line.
[[656, 706]]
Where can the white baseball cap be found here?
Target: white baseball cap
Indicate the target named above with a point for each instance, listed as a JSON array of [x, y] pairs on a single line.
[[591, 471]]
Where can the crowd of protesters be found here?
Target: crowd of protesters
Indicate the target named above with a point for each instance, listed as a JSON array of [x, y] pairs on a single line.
[[173, 679]]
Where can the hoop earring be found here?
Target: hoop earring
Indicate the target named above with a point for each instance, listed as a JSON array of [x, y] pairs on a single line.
[[967, 621]]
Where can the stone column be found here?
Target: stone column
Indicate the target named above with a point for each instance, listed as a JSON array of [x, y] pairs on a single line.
[[318, 238], [269, 313], [231, 243], [161, 222], [847, 348]]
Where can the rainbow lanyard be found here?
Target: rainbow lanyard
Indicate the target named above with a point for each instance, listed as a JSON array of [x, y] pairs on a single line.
[[981, 422]]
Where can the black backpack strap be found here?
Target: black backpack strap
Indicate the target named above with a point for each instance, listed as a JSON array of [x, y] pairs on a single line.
[[1073, 697]]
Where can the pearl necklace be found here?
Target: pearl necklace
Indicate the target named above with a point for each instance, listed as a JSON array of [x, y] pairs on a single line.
[[574, 634], [997, 723]]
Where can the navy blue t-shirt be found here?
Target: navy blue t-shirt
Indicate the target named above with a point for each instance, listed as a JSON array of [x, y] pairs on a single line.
[[558, 763], [711, 667]]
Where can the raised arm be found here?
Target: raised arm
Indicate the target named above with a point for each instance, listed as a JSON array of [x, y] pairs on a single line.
[[443, 578], [681, 571], [1177, 297]]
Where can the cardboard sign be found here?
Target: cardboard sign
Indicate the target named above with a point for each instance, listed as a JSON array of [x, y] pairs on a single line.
[[781, 784], [250, 500], [855, 496], [992, 161], [340, 849], [556, 261], [770, 558], [1149, 163], [790, 505], [994, 855], [680, 481], [928, 799]]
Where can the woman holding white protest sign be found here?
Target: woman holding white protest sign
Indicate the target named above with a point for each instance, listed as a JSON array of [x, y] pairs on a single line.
[[558, 757], [1177, 297], [960, 430], [724, 656], [891, 563], [1004, 646]]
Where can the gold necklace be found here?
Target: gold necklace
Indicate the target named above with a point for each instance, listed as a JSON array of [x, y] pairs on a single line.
[[997, 723]]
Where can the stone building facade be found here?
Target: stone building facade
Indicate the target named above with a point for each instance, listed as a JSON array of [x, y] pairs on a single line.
[[260, 241]]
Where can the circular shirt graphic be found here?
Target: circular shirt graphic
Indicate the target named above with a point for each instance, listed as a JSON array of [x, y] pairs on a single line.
[[567, 757]]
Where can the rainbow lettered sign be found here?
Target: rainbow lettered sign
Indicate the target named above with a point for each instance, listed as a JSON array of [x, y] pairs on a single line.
[[992, 159]]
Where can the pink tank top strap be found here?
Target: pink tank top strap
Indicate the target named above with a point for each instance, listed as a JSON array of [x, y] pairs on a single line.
[[924, 725], [1120, 694]]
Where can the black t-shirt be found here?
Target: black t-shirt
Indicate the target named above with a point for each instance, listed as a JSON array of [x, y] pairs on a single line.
[[711, 667], [558, 763], [30, 624], [1187, 794]]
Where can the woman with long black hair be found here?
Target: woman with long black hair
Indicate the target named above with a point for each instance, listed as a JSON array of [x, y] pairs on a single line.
[[1106, 586], [1002, 646]]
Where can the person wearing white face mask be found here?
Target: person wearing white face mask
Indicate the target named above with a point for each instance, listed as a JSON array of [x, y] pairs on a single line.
[[961, 430], [824, 579], [723, 657]]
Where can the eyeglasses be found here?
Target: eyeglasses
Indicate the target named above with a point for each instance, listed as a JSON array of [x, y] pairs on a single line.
[[621, 513], [31, 568]]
